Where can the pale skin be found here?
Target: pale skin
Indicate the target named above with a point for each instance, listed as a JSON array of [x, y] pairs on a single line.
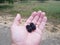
[[20, 35]]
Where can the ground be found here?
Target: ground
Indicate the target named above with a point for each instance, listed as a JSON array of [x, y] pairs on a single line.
[[51, 34]]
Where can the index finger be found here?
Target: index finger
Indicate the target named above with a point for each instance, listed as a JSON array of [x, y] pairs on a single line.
[[31, 18]]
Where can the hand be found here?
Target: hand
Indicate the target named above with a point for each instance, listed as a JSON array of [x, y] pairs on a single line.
[[20, 35]]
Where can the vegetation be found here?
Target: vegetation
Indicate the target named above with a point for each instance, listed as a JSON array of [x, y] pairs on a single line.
[[52, 8], [57, 0], [9, 1], [42, 1]]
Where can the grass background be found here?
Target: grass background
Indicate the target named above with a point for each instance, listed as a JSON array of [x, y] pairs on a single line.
[[52, 8]]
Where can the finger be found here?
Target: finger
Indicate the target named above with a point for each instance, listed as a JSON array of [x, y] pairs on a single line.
[[42, 14], [30, 18], [42, 24], [17, 20], [36, 17]]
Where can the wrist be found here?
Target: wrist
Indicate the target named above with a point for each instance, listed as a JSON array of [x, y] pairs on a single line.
[[32, 44]]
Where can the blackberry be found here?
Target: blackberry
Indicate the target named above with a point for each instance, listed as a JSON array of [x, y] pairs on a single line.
[[33, 26], [28, 27]]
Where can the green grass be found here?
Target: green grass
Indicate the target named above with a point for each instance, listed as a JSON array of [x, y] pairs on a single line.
[[52, 9]]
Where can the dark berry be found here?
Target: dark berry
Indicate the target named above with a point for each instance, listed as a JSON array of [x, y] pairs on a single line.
[[29, 29], [33, 26]]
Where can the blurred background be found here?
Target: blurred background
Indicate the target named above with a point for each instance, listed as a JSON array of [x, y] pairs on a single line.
[[9, 9]]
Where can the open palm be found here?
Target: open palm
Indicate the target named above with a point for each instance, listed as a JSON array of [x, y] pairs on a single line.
[[20, 35]]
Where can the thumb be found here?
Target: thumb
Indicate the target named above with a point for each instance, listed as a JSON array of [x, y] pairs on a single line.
[[17, 20]]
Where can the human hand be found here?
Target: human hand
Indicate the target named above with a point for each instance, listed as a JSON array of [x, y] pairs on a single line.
[[20, 35]]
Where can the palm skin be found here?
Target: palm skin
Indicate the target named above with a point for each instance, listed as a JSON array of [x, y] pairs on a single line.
[[20, 35]]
